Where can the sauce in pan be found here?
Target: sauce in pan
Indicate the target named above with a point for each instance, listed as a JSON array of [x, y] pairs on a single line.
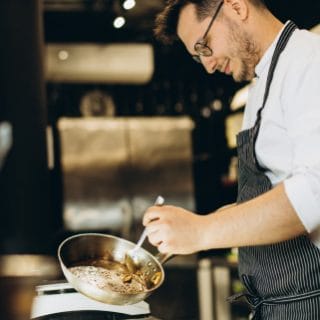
[[110, 279], [115, 276]]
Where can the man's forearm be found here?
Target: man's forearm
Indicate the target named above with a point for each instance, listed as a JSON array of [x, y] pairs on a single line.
[[267, 219]]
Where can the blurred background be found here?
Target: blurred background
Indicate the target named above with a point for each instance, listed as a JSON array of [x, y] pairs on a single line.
[[97, 118]]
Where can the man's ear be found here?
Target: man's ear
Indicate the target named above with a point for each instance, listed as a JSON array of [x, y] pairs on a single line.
[[239, 8]]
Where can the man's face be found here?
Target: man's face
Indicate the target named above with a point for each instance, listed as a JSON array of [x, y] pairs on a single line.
[[234, 51]]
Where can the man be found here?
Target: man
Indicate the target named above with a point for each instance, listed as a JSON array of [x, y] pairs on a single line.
[[276, 220]]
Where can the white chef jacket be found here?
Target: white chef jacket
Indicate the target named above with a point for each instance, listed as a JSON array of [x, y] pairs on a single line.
[[288, 143]]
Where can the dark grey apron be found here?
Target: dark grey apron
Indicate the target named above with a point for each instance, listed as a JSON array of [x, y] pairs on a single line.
[[283, 279]]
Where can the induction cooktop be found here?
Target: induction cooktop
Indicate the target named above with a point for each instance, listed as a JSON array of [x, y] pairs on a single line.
[[59, 301], [93, 315]]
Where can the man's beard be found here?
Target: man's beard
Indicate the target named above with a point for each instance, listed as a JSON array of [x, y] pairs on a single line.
[[244, 50]]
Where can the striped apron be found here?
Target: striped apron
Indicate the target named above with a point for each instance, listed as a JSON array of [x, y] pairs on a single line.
[[283, 279]]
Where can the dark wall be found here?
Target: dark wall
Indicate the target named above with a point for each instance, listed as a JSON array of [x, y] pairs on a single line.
[[26, 220]]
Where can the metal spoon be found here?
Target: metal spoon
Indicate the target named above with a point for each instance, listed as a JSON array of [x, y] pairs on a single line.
[[129, 256]]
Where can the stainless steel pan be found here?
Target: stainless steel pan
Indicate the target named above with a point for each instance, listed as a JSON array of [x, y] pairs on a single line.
[[89, 248]]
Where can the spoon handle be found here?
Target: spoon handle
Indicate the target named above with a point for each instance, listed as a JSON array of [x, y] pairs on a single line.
[[159, 202]]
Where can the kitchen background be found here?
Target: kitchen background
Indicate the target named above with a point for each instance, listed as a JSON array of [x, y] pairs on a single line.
[[97, 119]]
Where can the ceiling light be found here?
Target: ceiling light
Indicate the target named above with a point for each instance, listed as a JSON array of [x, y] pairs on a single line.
[[129, 4], [63, 55], [119, 22]]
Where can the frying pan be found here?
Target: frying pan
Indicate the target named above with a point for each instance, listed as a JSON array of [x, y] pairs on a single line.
[[87, 247]]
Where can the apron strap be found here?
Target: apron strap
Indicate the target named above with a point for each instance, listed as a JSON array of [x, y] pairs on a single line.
[[281, 44], [255, 301]]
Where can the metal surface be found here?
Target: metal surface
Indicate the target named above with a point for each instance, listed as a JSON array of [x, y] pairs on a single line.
[[86, 246], [19, 274], [29, 265], [94, 63], [112, 168]]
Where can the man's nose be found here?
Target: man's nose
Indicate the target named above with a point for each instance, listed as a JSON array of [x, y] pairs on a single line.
[[209, 63]]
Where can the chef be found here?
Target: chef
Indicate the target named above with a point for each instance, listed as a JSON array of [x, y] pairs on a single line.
[[275, 222]]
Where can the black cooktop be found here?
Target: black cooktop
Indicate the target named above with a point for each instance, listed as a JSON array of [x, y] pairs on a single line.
[[94, 315]]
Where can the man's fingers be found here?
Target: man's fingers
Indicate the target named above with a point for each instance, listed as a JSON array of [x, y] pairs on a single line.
[[152, 228], [154, 237], [150, 215], [163, 247]]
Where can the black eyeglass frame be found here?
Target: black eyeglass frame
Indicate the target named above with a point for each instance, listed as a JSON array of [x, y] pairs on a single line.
[[201, 46]]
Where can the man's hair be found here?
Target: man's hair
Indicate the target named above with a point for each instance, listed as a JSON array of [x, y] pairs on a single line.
[[167, 20]]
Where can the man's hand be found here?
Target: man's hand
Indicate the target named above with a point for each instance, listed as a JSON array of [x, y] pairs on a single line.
[[173, 229]]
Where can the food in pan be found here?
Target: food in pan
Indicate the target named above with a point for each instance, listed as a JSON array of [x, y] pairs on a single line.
[[115, 276]]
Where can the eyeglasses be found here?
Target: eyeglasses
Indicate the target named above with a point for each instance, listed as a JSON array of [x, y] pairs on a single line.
[[201, 47]]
